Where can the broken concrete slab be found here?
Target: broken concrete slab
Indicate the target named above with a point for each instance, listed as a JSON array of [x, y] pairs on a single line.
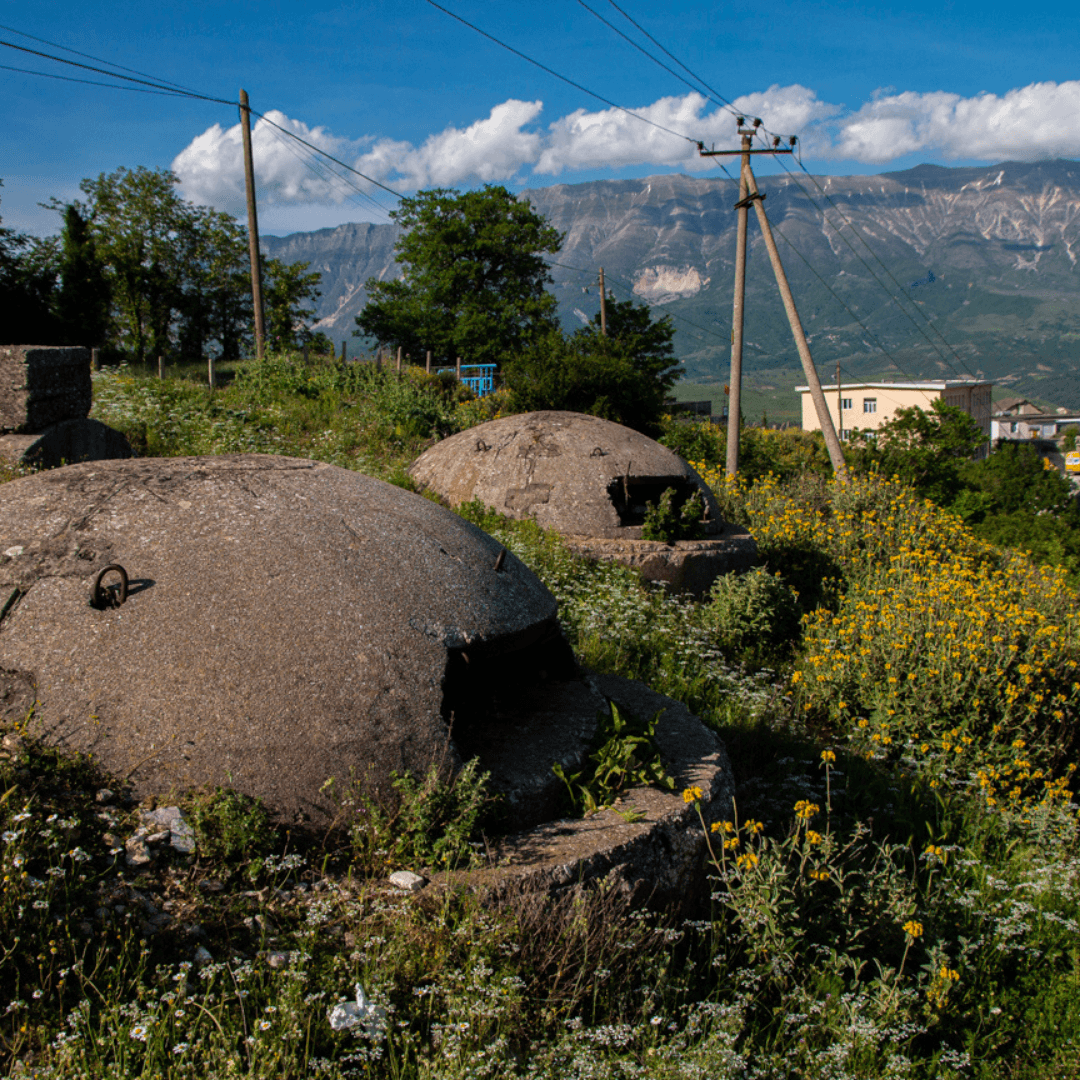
[[652, 844], [66, 443], [592, 481], [43, 385]]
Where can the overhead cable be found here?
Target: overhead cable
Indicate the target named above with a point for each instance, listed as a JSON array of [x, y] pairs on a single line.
[[96, 59], [570, 82]]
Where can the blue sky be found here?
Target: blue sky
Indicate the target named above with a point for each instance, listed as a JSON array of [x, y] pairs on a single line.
[[408, 95]]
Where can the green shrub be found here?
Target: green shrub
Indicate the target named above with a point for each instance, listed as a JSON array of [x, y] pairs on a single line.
[[755, 616], [668, 523], [229, 826]]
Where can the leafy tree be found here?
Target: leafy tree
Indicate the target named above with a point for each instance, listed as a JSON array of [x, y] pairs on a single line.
[[28, 269], [214, 305], [646, 342], [139, 222], [624, 376], [923, 448], [83, 300], [287, 290], [586, 375], [475, 277]]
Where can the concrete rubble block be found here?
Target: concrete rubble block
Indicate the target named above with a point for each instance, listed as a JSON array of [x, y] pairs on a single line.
[[65, 443], [43, 385], [407, 880], [590, 480]]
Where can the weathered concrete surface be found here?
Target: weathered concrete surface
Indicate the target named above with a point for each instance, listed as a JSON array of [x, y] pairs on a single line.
[[570, 472], [586, 478], [42, 385], [287, 621], [689, 566], [66, 443], [661, 854]]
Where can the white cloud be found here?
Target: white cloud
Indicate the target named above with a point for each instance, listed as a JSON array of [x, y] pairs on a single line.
[[1037, 121]]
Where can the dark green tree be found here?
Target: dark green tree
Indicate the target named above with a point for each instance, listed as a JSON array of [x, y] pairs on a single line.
[[83, 300], [288, 289], [28, 272], [139, 221], [646, 342], [624, 376], [214, 304], [474, 282]]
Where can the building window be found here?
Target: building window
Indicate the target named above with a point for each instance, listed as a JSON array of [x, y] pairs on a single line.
[[869, 404], [1012, 427], [845, 403]]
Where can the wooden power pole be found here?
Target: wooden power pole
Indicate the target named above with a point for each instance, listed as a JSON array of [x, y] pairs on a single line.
[[603, 305], [253, 228], [748, 193]]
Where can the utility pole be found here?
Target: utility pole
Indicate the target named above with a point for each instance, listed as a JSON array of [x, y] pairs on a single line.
[[839, 404], [737, 311], [603, 305], [748, 193], [253, 227]]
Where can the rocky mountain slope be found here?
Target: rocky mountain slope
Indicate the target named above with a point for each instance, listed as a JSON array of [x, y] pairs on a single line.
[[983, 262]]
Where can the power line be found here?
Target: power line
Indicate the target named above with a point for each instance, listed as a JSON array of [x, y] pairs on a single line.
[[570, 82], [859, 235], [91, 82], [98, 59], [719, 99], [161, 87], [318, 150]]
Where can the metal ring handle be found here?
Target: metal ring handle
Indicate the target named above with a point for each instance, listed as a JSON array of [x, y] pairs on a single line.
[[98, 596]]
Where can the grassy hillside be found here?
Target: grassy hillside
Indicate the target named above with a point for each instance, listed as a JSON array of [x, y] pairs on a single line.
[[896, 891]]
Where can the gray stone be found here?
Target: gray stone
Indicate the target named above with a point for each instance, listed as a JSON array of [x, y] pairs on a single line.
[[287, 621], [65, 443], [43, 385], [590, 480], [138, 853], [182, 838], [407, 880]]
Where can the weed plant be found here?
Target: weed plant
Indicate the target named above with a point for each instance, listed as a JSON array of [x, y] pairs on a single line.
[[353, 415]]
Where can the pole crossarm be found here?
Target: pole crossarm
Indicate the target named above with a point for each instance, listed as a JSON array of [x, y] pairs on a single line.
[[749, 199], [702, 152]]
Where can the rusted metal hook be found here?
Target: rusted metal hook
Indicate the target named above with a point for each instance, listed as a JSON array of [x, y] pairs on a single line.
[[102, 598]]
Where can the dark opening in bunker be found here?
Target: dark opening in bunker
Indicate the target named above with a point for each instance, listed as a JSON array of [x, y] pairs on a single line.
[[631, 495], [519, 704]]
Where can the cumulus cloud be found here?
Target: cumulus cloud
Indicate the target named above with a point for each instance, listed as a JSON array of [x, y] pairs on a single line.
[[1037, 121], [1033, 122]]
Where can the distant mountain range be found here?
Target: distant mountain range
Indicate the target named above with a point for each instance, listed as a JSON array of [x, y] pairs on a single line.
[[983, 261]]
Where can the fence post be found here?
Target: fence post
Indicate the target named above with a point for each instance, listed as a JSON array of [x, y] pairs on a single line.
[[161, 367], [459, 369], [95, 359], [210, 370], [343, 352], [428, 367], [399, 358]]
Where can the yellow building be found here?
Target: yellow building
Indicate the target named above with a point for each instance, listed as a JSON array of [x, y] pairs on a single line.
[[868, 405]]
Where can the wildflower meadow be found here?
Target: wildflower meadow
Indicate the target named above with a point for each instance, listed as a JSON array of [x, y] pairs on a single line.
[[894, 892]]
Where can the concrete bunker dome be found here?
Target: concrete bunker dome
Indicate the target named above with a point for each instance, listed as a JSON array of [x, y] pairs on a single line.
[[590, 480], [286, 621]]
